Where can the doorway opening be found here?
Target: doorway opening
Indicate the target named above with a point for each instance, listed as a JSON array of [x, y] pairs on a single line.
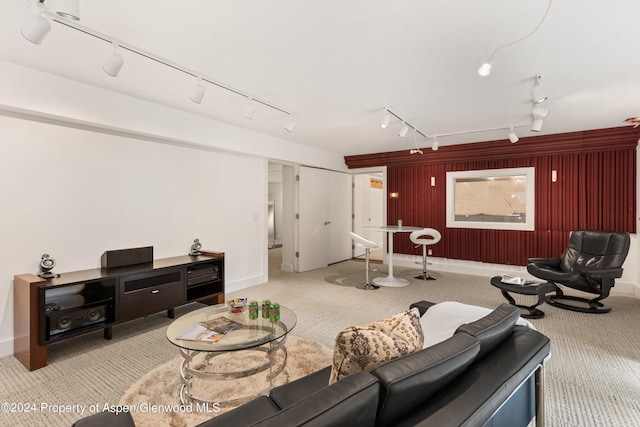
[[275, 227], [369, 211]]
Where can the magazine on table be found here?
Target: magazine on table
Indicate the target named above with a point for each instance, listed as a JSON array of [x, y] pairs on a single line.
[[210, 330], [513, 280]]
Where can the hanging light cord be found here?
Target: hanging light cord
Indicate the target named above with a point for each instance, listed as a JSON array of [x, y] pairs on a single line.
[[525, 37]]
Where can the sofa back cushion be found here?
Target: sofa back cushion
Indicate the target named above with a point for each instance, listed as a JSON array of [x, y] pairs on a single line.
[[363, 348], [410, 380], [492, 329], [351, 402]]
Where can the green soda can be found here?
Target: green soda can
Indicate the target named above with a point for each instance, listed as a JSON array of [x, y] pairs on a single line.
[[266, 309], [275, 313], [253, 310]]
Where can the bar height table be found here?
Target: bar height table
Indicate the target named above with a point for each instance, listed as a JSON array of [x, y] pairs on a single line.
[[390, 280]]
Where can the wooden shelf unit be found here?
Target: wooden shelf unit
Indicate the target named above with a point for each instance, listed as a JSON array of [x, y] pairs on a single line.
[[74, 303]]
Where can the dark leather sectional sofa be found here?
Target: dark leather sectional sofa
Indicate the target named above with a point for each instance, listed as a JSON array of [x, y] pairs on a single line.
[[489, 373]]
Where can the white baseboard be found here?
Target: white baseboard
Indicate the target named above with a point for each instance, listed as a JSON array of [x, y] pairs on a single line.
[[6, 347], [628, 289], [244, 283], [489, 270], [459, 266]]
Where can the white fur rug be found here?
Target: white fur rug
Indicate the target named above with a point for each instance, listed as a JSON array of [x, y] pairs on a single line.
[[161, 386]]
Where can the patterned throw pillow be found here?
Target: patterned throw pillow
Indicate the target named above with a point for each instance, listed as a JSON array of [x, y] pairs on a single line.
[[364, 348]]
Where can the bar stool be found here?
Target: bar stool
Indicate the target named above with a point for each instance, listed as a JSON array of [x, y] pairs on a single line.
[[368, 245], [428, 236]]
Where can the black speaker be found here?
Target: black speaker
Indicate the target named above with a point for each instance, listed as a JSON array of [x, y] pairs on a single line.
[[71, 320], [124, 257]]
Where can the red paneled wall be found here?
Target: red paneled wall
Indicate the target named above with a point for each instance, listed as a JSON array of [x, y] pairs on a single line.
[[595, 190]]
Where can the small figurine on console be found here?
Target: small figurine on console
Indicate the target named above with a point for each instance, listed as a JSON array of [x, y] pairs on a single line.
[[46, 265], [195, 248]]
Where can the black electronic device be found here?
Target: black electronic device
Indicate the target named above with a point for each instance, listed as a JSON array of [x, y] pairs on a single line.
[[64, 321], [126, 257]]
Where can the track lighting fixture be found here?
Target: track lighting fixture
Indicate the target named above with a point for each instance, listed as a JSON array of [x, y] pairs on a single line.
[[417, 150], [537, 93], [539, 112], [512, 135], [405, 124], [197, 93], [635, 121], [36, 28], [536, 126], [68, 9], [385, 119], [403, 130], [485, 68], [290, 126], [114, 62], [248, 112]]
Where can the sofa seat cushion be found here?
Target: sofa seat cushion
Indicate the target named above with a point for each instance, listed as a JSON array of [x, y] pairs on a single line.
[[493, 328], [440, 321], [352, 402], [410, 380], [364, 348]]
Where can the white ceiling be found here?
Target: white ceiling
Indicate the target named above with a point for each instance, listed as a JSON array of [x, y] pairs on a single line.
[[337, 63]]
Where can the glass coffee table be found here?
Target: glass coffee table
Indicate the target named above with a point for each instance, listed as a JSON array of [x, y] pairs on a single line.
[[255, 345]]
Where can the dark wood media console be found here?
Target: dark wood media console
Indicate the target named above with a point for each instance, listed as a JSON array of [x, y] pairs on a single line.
[[50, 310]]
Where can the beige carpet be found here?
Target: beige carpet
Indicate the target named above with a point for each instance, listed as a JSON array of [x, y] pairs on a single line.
[[592, 379], [161, 385]]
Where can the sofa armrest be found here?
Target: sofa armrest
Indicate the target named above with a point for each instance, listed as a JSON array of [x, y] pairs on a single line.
[[609, 273], [422, 306], [547, 262]]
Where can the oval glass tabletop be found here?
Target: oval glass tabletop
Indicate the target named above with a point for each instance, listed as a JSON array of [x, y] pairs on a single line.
[[214, 328]]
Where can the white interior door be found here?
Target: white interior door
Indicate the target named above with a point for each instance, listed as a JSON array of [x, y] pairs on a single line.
[[340, 190], [324, 205], [313, 220]]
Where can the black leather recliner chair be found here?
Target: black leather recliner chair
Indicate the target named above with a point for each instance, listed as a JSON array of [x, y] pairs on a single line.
[[590, 264]]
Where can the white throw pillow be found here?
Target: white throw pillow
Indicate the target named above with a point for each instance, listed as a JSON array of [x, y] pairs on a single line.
[[441, 320]]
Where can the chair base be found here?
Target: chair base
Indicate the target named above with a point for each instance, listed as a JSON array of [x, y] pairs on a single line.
[[425, 276], [368, 287], [594, 306]]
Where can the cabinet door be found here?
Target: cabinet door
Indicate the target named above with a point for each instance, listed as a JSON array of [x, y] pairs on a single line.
[[150, 292]]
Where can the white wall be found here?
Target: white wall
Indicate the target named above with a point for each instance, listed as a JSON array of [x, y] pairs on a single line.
[[74, 194], [84, 170]]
